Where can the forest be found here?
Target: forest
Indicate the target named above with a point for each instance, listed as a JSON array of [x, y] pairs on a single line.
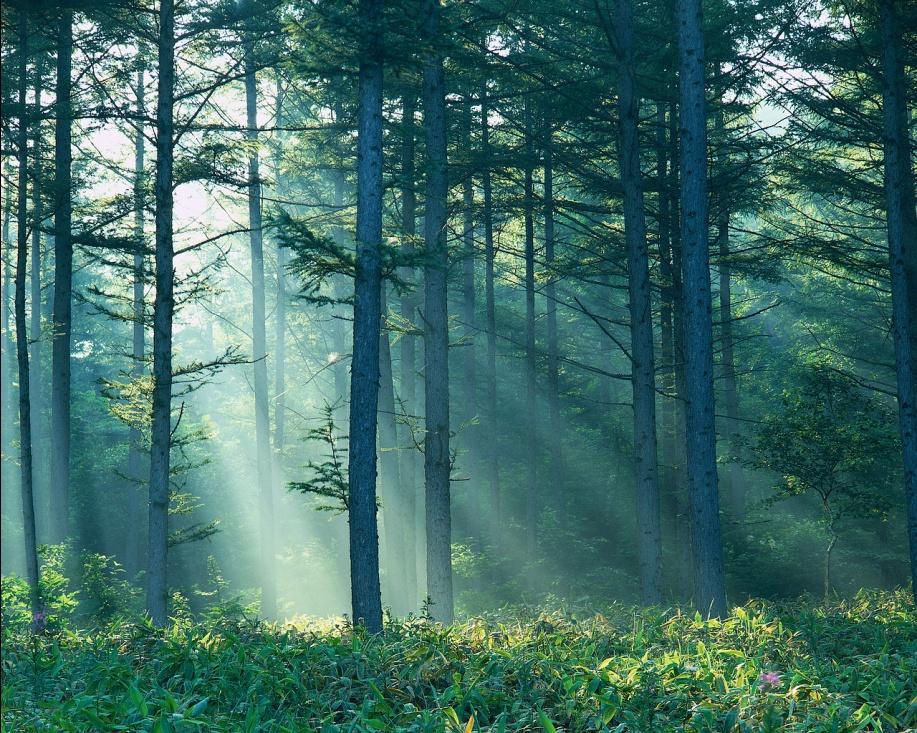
[[448, 365]]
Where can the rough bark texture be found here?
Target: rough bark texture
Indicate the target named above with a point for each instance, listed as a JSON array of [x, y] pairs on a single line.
[[35, 356], [280, 319], [63, 273], [533, 501], [364, 380], [649, 536], [259, 345], [902, 256], [709, 580], [469, 365], [163, 308], [490, 417], [436, 334], [22, 338], [408, 345], [135, 450]]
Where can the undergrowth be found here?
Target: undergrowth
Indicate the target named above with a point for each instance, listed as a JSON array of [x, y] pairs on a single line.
[[803, 666]]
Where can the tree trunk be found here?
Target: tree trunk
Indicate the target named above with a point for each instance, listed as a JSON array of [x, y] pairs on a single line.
[[22, 338], [641, 320], [63, 273], [259, 344], [364, 380], [533, 498], [709, 579], [468, 305], [735, 488], [393, 489], [436, 334], [832, 541], [135, 450], [556, 460], [163, 308], [36, 376], [490, 418], [409, 463], [902, 255], [280, 317]]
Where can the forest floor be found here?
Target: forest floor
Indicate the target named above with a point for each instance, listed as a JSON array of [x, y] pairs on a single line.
[[803, 666]]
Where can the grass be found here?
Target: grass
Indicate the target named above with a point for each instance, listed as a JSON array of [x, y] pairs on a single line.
[[847, 666]]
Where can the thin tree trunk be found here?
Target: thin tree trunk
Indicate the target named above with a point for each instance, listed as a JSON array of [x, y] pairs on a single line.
[[490, 418], [280, 315], [533, 498], [709, 578], [392, 489], [364, 384], [135, 450], [408, 343], [8, 355], [641, 318], [35, 358], [902, 255], [163, 308], [22, 338], [437, 459], [259, 344], [735, 488], [556, 458], [338, 334], [63, 273], [468, 305]]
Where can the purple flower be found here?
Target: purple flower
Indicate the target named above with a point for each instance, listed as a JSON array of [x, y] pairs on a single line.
[[38, 619], [769, 680]]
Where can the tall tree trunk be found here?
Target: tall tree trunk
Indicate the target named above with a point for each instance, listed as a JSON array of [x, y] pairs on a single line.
[[338, 333], [709, 578], [468, 304], [163, 308], [555, 479], [408, 343], [7, 348], [641, 318], [665, 309], [35, 358], [280, 313], [436, 327], [533, 499], [63, 274], [135, 450], [902, 255], [259, 343], [364, 381], [22, 338], [393, 489], [490, 418], [735, 488]]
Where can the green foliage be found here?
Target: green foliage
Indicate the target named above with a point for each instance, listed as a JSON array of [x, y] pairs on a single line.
[[328, 476], [105, 591], [59, 602], [793, 667]]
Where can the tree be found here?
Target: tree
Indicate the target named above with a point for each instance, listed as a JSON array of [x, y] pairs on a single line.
[[641, 323], [163, 309], [63, 274], [259, 337], [437, 459], [901, 223], [364, 381], [709, 579]]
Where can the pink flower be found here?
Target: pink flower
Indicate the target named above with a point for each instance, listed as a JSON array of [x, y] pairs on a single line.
[[38, 620], [769, 680]]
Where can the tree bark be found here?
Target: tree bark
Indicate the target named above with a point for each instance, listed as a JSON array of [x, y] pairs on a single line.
[[902, 256], [735, 488], [490, 418], [556, 457], [364, 381], [259, 343], [436, 334], [641, 322], [409, 464], [22, 338], [533, 498], [163, 309], [35, 358], [709, 578], [63, 274], [280, 316], [468, 300], [135, 450]]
